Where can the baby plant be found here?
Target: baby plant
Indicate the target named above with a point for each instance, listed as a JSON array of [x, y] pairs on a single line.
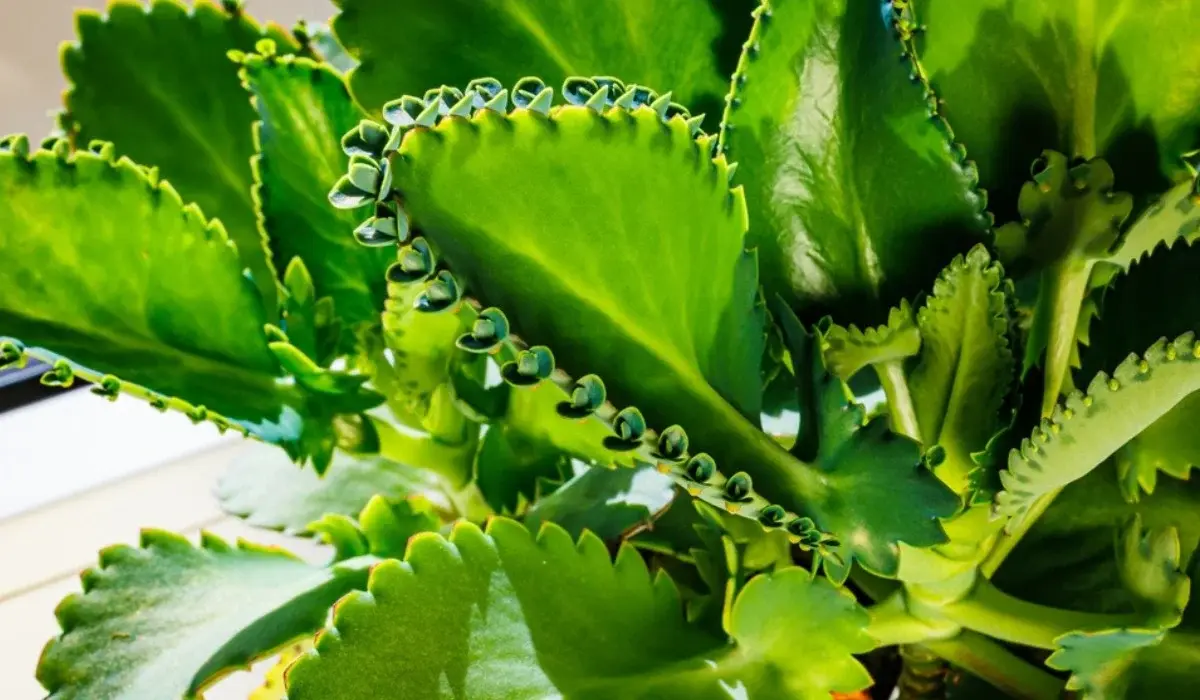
[[530, 331]]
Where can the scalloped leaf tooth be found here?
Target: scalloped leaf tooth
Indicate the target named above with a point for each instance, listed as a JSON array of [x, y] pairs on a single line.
[[660, 105], [542, 102], [498, 103], [17, 144], [599, 100], [465, 107]]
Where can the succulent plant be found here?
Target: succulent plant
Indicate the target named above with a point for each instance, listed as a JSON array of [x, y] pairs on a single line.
[[603, 388]]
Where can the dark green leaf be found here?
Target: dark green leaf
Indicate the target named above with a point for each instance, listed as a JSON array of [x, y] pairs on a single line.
[[165, 619], [157, 82], [1083, 77], [502, 615], [513, 470], [304, 109], [830, 133]]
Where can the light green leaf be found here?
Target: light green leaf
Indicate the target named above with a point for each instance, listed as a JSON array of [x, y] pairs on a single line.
[[410, 46], [304, 109], [609, 502], [503, 615], [157, 82], [1087, 428], [269, 490], [830, 133], [165, 619], [864, 468], [622, 195], [848, 350], [107, 267], [966, 369], [1083, 77]]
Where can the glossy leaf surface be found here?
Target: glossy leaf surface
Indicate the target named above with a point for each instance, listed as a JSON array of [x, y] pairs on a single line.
[[830, 132], [1084, 77], [607, 502], [157, 82], [502, 614], [164, 619]]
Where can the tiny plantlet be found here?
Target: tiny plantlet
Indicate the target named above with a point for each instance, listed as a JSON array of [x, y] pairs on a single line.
[[746, 349]]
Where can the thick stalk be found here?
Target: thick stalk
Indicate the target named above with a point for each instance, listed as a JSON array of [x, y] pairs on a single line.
[[923, 676], [992, 612], [900, 405], [1060, 312], [993, 663], [892, 624]]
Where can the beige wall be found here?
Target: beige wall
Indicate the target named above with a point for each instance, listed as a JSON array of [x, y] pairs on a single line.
[[31, 31]]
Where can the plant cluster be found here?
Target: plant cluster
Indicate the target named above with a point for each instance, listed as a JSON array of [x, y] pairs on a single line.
[[604, 387]]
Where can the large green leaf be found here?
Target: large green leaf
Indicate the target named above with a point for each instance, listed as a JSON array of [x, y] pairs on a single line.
[[106, 266], [1157, 296], [966, 368], [513, 470], [269, 490], [408, 46], [157, 82], [623, 197], [304, 108], [504, 615], [831, 134], [609, 502], [164, 620], [1084, 77]]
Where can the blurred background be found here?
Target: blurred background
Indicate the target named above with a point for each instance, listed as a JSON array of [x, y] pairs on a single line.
[[76, 472]]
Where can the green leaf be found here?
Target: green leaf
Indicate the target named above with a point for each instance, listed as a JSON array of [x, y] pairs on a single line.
[[388, 525], [304, 108], [1083, 77], [504, 615], [838, 226], [865, 469], [681, 343], [1156, 296], [848, 350], [157, 82], [1085, 429], [407, 47], [609, 502], [270, 491], [106, 266], [963, 377], [319, 39], [166, 619]]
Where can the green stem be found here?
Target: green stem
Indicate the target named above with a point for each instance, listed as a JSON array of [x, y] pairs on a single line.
[[899, 400], [891, 624], [1060, 315], [1009, 539], [993, 663], [990, 611]]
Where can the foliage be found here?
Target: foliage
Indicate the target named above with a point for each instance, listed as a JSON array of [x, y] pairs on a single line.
[[515, 296]]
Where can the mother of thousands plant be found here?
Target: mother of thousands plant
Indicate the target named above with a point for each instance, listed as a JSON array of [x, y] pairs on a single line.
[[531, 335]]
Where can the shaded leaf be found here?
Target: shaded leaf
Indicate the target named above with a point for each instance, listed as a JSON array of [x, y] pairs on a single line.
[[609, 502], [269, 490], [303, 109], [830, 132]]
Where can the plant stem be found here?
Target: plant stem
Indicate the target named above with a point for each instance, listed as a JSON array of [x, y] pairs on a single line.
[[990, 611], [1009, 539], [923, 675], [1059, 308], [900, 405], [891, 624], [996, 665]]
